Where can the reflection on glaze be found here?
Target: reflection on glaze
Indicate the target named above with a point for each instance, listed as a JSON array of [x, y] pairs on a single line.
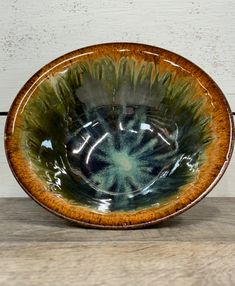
[[123, 154], [116, 136]]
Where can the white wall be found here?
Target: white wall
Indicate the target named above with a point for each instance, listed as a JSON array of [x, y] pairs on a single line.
[[34, 32]]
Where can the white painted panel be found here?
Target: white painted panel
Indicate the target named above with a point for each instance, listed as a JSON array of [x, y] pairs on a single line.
[[35, 32], [8, 185], [10, 188]]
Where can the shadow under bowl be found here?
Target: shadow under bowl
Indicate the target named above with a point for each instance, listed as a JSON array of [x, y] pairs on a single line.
[[119, 135]]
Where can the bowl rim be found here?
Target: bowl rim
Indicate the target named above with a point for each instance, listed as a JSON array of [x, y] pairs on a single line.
[[18, 169]]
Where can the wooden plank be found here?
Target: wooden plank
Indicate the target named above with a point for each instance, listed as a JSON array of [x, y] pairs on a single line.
[[196, 248], [33, 35], [172, 263], [23, 221], [10, 188]]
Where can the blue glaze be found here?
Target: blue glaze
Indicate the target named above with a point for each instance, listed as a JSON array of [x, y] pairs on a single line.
[[125, 154]]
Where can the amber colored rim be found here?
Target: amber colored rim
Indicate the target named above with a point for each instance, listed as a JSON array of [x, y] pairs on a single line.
[[208, 178]]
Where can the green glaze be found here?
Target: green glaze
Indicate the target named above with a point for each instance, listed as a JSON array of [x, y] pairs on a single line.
[[116, 135]]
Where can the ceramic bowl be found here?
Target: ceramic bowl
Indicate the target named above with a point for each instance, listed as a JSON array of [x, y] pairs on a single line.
[[119, 135]]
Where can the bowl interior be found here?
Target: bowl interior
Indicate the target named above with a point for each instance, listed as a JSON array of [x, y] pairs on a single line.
[[119, 134], [116, 135]]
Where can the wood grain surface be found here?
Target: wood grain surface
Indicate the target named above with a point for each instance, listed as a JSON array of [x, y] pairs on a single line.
[[195, 248]]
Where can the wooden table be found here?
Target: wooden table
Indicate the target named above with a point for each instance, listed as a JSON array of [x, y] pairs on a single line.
[[195, 248]]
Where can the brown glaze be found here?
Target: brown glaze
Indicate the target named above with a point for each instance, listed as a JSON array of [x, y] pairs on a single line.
[[218, 153]]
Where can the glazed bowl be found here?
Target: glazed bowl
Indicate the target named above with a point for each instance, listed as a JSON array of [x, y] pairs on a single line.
[[119, 135]]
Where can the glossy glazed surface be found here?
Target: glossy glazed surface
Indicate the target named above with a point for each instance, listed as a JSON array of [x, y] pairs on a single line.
[[116, 135], [124, 130]]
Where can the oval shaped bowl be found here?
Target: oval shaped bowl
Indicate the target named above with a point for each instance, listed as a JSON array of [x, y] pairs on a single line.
[[119, 135]]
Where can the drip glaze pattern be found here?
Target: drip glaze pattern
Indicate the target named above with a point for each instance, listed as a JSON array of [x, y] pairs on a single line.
[[116, 136]]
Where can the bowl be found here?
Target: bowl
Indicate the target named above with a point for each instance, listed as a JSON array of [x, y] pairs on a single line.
[[119, 135]]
